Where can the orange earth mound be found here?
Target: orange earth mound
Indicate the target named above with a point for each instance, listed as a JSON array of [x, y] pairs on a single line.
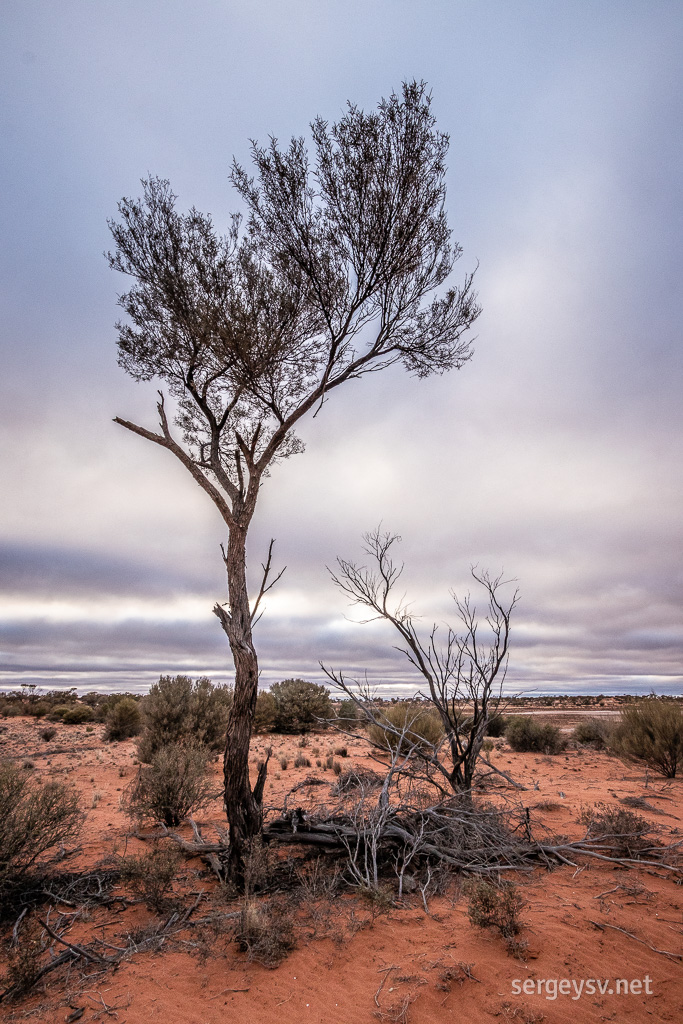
[[355, 963]]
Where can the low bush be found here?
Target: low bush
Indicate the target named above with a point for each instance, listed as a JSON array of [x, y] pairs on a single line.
[[24, 960], [266, 931], [406, 725], [265, 715], [48, 733], [651, 732], [593, 732], [35, 817], [299, 705], [151, 875], [496, 726], [178, 710], [526, 735], [174, 783], [77, 714], [357, 778], [494, 905], [346, 714], [624, 833], [123, 720]]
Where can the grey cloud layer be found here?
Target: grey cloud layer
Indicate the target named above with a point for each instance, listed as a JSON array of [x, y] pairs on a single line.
[[554, 454]]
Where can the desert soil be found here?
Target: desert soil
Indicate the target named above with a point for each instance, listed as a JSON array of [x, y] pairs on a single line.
[[355, 963]]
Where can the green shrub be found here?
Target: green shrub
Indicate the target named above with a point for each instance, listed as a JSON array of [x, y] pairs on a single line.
[[12, 710], [406, 725], [77, 714], [34, 818], [123, 720], [496, 726], [300, 705], [178, 710], [494, 905], [174, 783], [265, 715], [526, 735], [151, 875], [347, 714], [623, 833], [594, 732], [58, 711], [651, 731]]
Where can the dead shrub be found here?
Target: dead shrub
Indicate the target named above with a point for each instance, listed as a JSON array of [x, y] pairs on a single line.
[[151, 875], [300, 761], [494, 905], [266, 931], [356, 778], [48, 734], [173, 784]]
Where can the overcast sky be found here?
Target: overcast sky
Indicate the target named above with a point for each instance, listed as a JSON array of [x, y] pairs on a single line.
[[554, 455]]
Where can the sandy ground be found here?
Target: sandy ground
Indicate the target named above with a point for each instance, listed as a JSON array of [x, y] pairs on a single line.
[[355, 963]]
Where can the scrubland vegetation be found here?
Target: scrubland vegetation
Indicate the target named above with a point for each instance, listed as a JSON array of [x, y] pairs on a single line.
[[386, 833]]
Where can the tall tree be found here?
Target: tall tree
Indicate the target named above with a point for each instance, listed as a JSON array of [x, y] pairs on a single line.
[[331, 277]]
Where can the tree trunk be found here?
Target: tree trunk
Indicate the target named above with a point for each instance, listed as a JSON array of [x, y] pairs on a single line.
[[243, 805]]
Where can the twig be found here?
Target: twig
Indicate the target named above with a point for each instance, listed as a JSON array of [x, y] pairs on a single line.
[[663, 952]]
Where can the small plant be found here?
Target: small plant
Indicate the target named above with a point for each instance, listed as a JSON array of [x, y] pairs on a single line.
[[357, 778], [341, 751], [96, 797], [266, 712], [300, 705], [123, 720], [624, 833], [404, 726], [265, 932], [151, 875], [336, 768], [77, 714], [173, 784], [494, 905], [24, 956], [651, 731], [178, 710], [300, 761], [48, 733], [526, 735], [35, 817], [496, 726], [593, 732], [284, 763]]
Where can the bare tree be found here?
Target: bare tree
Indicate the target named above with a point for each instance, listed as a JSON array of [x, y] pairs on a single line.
[[464, 676], [330, 278]]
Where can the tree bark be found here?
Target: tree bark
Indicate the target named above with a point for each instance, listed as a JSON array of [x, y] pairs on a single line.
[[243, 805]]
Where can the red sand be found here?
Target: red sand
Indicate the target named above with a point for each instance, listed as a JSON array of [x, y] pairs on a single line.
[[352, 965]]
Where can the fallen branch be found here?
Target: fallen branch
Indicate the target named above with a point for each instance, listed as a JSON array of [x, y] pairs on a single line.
[[614, 928]]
